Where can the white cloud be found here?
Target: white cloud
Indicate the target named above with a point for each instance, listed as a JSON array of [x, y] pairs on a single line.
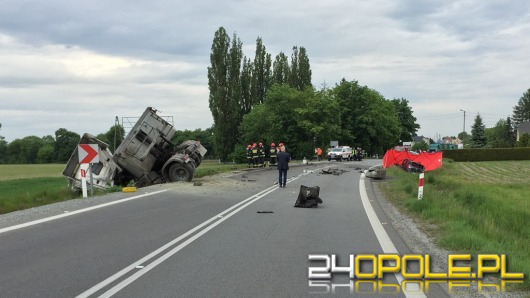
[[78, 65], [54, 86]]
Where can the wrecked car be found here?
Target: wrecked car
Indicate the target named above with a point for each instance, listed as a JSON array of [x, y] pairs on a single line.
[[411, 167]]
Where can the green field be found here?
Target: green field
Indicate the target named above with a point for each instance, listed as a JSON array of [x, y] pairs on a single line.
[[26, 186], [479, 207], [13, 172]]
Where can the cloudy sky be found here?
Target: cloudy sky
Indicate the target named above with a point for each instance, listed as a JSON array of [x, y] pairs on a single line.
[[80, 64]]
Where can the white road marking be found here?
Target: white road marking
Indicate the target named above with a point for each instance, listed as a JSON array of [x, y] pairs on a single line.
[[207, 225], [39, 221], [383, 238]]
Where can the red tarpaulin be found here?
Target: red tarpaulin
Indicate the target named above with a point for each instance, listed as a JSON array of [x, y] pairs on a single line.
[[431, 161]]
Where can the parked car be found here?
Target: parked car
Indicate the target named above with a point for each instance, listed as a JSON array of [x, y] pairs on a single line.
[[340, 153]]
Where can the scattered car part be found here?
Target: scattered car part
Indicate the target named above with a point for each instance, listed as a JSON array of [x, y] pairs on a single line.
[[376, 172], [308, 197]]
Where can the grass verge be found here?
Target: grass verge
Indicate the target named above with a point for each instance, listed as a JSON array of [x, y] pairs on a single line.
[[27, 186], [481, 207], [27, 193]]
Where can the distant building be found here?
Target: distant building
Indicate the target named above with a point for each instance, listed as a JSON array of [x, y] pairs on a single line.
[[523, 128], [417, 139], [451, 140]]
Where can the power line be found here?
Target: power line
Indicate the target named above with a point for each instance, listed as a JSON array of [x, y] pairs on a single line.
[[459, 115], [440, 117]]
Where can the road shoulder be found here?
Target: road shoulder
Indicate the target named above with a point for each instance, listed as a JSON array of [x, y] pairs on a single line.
[[418, 241]]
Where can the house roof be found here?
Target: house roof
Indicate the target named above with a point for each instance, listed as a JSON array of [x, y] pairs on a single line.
[[418, 138], [524, 127]]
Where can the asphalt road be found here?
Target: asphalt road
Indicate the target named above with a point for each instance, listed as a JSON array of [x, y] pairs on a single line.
[[203, 241]]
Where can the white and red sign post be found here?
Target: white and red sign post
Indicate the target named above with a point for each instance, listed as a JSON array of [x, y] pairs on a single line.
[[420, 186], [83, 182], [88, 154]]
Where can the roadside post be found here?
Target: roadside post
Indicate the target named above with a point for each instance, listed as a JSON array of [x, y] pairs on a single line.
[[87, 154], [420, 186], [83, 182]]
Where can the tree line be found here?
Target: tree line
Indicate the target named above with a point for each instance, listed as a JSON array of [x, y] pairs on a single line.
[[250, 102], [51, 149], [60, 147], [255, 100]]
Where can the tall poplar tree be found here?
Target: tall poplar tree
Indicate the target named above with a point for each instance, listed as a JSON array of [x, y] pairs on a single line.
[[280, 70], [246, 86], [234, 80], [225, 91], [300, 74], [304, 69], [261, 74], [293, 79]]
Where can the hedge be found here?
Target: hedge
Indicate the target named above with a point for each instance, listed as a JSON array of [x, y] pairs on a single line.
[[490, 154]]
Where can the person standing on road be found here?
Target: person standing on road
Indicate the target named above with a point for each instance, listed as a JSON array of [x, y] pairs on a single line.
[[250, 162], [283, 165], [272, 155], [255, 155], [261, 155]]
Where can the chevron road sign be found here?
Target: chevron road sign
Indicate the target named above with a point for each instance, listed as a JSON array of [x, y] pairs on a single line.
[[88, 153]]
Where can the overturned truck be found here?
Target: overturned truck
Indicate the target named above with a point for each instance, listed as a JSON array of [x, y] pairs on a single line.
[[146, 156]]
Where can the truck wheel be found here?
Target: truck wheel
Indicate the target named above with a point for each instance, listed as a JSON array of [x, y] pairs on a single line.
[[181, 172]]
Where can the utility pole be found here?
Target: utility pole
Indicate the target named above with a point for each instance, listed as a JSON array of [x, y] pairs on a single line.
[[464, 129], [116, 125]]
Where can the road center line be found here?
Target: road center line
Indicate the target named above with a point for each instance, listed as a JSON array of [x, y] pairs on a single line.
[[382, 236], [207, 225], [39, 221]]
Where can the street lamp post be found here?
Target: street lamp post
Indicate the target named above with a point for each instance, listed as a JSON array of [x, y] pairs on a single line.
[[464, 129]]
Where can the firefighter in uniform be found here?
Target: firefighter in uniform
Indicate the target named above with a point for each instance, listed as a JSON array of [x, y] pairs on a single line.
[[272, 155], [261, 155], [249, 156], [255, 155]]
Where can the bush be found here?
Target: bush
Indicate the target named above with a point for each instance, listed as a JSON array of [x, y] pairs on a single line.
[[239, 155]]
